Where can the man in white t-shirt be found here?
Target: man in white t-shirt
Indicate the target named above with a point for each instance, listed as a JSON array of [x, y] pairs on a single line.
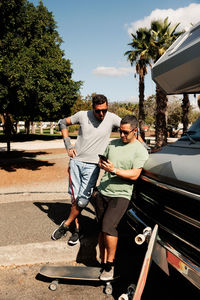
[[95, 128]]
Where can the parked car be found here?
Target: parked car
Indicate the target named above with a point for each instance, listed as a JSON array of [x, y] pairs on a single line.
[[168, 192]]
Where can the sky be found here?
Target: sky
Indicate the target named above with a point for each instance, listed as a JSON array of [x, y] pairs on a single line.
[[96, 34]]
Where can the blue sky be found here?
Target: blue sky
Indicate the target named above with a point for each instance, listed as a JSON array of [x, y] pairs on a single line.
[[96, 34]]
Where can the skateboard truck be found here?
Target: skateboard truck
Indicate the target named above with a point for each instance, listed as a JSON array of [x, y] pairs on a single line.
[[108, 286], [130, 292], [75, 273], [136, 293], [140, 238]]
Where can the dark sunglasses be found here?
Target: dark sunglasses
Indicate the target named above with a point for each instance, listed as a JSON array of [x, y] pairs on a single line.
[[125, 132], [97, 111]]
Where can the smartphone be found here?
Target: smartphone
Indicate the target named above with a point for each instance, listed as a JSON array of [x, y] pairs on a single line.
[[102, 157]]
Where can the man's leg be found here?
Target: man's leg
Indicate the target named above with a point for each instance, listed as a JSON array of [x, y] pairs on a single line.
[[111, 246], [113, 214], [73, 190], [88, 177], [102, 248], [73, 216]]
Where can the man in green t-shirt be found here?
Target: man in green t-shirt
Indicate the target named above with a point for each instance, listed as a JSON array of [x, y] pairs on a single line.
[[125, 159]]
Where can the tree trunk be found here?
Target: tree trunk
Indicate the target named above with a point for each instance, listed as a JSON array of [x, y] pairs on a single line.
[[41, 129], [141, 106], [185, 111], [33, 127], [198, 101], [160, 123], [51, 128], [8, 128], [27, 127], [18, 127]]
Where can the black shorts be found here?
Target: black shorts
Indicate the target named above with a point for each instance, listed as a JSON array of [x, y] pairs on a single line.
[[109, 211]]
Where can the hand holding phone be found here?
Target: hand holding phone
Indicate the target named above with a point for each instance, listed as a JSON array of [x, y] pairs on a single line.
[[102, 157]]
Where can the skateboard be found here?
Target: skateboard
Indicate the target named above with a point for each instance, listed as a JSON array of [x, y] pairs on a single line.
[[74, 273], [135, 292]]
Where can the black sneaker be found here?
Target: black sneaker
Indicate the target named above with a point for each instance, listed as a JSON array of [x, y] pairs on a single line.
[[60, 231], [74, 239]]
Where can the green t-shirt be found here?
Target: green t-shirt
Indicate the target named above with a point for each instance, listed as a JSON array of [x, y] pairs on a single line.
[[123, 156]]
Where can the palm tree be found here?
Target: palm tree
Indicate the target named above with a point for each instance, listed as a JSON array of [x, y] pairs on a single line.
[[162, 36], [139, 55]]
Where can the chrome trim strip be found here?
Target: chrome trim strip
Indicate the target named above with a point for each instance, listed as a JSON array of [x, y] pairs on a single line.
[[173, 212], [182, 217], [171, 188], [165, 228], [194, 275]]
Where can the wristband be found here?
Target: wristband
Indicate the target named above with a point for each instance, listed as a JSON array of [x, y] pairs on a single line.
[[67, 143], [62, 124], [114, 171]]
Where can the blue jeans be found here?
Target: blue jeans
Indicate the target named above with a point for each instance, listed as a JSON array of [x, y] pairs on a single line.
[[83, 179]]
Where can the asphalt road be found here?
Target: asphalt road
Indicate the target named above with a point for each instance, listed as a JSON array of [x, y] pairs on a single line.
[[28, 215]]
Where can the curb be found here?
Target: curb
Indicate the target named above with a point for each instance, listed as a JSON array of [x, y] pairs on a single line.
[[34, 253]]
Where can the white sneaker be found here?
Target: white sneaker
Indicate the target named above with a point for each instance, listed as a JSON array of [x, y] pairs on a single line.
[[107, 275]]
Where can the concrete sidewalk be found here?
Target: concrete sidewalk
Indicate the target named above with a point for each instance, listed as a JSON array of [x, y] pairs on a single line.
[[34, 145], [29, 213], [26, 225]]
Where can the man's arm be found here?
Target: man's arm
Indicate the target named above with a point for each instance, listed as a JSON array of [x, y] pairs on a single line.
[[131, 174], [65, 133]]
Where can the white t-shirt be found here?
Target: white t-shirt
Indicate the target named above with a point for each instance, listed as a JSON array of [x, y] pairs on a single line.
[[93, 135]]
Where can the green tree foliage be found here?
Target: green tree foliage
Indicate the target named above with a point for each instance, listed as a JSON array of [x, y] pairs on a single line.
[[150, 109], [174, 113], [140, 56], [81, 104], [122, 109], [162, 36], [35, 78]]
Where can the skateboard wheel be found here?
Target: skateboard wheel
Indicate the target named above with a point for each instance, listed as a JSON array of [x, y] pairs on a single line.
[[139, 239], [131, 291], [53, 285], [123, 297], [108, 289]]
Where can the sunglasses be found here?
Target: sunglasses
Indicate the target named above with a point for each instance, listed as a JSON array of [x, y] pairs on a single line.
[[125, 132], [104, 111]]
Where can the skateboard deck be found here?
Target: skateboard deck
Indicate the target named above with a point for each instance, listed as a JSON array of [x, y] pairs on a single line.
[[71, 272], [74, 273], [146, 265]]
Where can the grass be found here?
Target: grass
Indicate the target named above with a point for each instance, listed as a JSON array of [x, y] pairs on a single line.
[[22, 137]]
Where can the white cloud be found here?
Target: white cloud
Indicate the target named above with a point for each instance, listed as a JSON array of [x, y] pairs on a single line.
[[112, 71], [184, 15]]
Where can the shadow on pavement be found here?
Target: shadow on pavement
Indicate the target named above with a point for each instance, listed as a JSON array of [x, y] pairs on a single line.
[[58, 212], [11, 161]]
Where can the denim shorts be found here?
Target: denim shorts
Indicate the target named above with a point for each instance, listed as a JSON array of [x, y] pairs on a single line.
[[83, 179]]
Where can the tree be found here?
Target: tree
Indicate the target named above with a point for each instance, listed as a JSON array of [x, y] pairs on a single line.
[[162, 36], [35, 78], [81, 104], [173, 115], [139, 54], [150, 108], [185, 111]]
